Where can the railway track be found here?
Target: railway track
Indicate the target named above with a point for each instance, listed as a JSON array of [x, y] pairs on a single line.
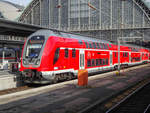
[[137, 102], [135, 99]]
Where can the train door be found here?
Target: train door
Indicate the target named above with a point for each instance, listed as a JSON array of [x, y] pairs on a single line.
[[81, 59], [130, 57], [111, 58], [140, 56]]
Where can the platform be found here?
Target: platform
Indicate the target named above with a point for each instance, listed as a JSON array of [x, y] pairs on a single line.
[[68, 98], [8, 80]]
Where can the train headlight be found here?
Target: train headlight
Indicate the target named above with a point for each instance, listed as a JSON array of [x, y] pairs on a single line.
[[37, 62]]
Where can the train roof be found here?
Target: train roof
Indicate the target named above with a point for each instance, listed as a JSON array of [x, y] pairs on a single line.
[[53, 32], [70, 35]]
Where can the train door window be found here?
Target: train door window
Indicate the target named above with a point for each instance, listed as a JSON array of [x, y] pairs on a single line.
[[94, 45], [88, 63], [98, 45], [115, 54], [66, 53], [93, 62], [56, 56], [86, 44], [73, 53]]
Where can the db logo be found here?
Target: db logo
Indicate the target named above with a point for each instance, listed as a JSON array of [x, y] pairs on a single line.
[[89, 55]]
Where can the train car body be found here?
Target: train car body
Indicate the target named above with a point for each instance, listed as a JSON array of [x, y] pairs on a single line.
[[50, 56]]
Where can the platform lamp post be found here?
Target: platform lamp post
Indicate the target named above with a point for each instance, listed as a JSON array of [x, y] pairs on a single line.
[[118, 41], [3, 56]]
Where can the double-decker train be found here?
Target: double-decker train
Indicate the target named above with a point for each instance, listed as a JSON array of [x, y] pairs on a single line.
[[51, 56]]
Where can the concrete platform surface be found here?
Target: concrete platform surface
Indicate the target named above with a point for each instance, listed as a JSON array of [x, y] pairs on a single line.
[[8, 80], [68, 98]]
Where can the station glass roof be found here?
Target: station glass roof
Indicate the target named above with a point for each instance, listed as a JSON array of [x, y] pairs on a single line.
[[147, 3]]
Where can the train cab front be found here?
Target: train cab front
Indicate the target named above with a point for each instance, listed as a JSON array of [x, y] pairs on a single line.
[[31, 59]]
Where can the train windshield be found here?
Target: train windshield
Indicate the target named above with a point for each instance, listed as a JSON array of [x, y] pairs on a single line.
[[34, 46]]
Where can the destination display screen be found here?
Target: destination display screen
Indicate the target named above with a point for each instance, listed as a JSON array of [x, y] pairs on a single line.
[[37, 40]]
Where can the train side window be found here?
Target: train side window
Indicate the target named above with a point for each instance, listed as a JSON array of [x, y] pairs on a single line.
[[103, 61], [93, 62], [110, 45], [107, 61], [97, 62], [86, 45], [90, 45], [97, 45], [88, 63], [101, 46], [104, 46], [73, 53], [56, 56], [94, 45], [66, 52], [80, 42]]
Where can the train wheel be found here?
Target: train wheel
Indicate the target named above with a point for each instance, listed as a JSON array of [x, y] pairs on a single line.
[[115, 67], [69, 77]]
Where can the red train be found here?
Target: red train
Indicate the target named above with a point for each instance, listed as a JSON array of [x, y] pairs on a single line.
[[50, 56]]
